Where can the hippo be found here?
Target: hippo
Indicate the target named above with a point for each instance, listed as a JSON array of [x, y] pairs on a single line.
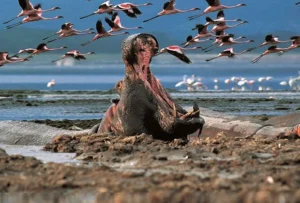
[[144, 105]]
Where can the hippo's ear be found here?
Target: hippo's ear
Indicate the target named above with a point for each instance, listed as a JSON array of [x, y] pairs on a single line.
[[115, 101]]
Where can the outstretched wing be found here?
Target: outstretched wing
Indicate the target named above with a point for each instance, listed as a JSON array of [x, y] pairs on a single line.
[[99, 27], [213, 2], [109, 22]]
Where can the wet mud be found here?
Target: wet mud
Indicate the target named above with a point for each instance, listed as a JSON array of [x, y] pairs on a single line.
[[218, 168]]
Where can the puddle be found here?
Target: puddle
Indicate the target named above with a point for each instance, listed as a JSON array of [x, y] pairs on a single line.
[[37, 152]]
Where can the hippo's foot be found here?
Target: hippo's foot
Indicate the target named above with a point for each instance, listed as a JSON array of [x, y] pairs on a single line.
[[144, 105]]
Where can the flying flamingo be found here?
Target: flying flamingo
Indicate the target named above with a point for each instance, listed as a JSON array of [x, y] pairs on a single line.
[[219, 35], [295, 44], [105, 7], [202, 31], [222, 26], [41, 48], [102, 33], [214, 5], [228, 41], [220, 19], [5, 59], [169, 8], [229, 53], [270, 50], [177, 51], [33, 17], [74, 54], [131, 9], [190, 40], [271, 40], [68, 31], [115, 24], [28, 9]]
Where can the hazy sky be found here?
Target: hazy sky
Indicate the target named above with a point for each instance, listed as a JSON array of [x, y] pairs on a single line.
[[265, 16]]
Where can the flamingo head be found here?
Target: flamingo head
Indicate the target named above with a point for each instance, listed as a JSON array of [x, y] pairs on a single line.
[[139, 27], [55, 8], [195, 9], [242, 5], [251, 40], [91, 52], [148, 4], [58, 17], [91, 29]]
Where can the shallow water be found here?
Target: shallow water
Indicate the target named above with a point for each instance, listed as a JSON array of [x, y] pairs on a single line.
[[37, 152]]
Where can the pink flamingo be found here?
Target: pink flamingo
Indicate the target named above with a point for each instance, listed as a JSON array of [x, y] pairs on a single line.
[[229, 53], [215, 5], [131, 9], [28, 9], [270, 50], [178, 52], [169, 9], [115, 24], [75, 55], [102, 33], [33, 17]]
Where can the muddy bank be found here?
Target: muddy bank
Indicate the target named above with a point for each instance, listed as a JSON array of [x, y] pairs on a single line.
[[134, 169]]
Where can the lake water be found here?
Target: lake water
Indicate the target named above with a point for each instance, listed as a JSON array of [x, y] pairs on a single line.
[[101, 72]]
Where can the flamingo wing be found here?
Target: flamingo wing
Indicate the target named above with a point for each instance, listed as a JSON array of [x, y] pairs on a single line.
[[130, 13], [269, 38], [178, 53], [136, 10], [109, 22], [38, 6], [213, 2], [99, 27], [116, 19], [25, 4], [220, 14], [169, 5], [41, 46]]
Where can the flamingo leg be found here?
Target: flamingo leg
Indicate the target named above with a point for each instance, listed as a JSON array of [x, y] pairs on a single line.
[[151, 18], [11, 19], [87, 16], [14, 25], [213, 58]]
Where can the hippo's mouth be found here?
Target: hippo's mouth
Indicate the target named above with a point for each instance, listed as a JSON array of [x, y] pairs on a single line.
[[145, 106]]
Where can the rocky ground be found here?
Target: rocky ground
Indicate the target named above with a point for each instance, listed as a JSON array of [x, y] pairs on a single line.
[[220, 168]]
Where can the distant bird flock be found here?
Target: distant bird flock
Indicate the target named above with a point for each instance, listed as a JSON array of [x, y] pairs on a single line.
[[217, 33]]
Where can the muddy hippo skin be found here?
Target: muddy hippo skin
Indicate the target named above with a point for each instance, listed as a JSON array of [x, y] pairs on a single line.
[[144, 105]]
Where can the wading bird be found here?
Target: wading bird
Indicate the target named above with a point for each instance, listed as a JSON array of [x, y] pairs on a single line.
[[169, 8], [115, 24], [5, 59], [75, 55], [270, 50], [102, 33], [223, 26], [41, 48], [51, 83], [177, 51], [131, 9], [190, 40], [28, 9], [68, 31], [31, 18], [105, 7], [229, 53], [214, 5], [220, 19], [271, 40]]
